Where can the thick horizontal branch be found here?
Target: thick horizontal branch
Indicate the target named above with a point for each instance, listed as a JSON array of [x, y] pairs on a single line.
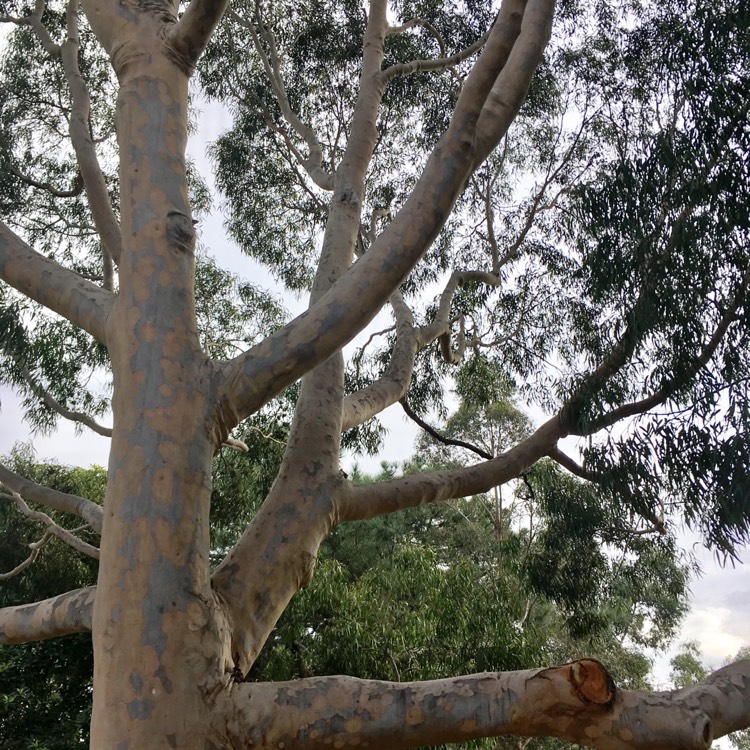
[[61, 615], [577, 702], [380, 498], [62, 501], [83, 303]]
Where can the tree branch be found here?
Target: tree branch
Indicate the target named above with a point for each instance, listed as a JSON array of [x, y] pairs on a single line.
[[670, 386], [336, 317], [83, 303], [66, 613], [190, 35], [77, 188], [439, 63], [394, 382], [512, 82], [313, 164], [74, 416], [577, 702], [62, 501], [379, 498], [34, 20], [36, 548], [80, 136], [432, 432], [54, 528]]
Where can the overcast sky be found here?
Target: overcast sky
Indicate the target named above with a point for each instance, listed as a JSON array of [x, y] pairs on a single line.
[[720, 617]]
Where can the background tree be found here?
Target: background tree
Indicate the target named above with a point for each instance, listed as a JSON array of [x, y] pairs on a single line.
[[594, 254]]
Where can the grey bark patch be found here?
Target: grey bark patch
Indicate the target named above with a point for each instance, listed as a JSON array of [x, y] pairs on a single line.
[[141, 709]]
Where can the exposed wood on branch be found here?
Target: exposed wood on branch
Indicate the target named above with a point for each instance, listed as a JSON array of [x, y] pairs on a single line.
[[577, 702]]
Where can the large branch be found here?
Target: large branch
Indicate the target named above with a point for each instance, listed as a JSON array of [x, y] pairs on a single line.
[[379, 498], [61, 615], [83, 303], [510, 87], [62, 501], [577, 702], [265, 370], [191, 34]]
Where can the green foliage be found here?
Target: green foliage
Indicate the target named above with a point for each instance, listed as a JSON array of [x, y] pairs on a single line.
[[45, 687]]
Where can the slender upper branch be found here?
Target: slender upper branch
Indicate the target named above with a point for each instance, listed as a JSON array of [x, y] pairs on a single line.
[[380, 498], [74, 416], [36, 548], [394, 382], [83, 303], [438, 63], [670, 386], [440, 437], [578, 702], [192, 33], [54, 528], [80, 135], [313, 163], [61, 615], [79, 506]]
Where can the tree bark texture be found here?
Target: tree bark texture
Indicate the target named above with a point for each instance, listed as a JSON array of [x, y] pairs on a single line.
[[171, 641]]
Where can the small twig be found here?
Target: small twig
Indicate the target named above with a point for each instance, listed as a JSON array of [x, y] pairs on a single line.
[[54, 528], [36, 548], [438, 436]]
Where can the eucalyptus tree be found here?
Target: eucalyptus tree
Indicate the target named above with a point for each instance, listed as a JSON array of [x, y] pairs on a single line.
[[374, 153]]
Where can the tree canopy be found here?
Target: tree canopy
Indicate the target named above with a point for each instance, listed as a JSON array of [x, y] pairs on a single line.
[[524, 206]]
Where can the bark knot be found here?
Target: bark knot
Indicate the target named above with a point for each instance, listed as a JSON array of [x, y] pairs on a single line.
[[180, 231]]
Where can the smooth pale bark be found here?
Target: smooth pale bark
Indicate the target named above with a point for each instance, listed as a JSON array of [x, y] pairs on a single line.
[[55, 287], [79, 506], [60, 615], [171, 641]]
